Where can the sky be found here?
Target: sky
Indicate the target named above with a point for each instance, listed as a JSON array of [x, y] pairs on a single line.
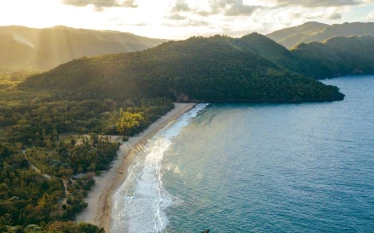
[[180, 19]]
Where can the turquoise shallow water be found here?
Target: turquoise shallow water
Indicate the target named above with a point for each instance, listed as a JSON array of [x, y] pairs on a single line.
[[258, 168]]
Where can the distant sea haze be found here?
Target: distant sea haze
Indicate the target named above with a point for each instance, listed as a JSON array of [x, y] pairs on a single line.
[[258, 168]]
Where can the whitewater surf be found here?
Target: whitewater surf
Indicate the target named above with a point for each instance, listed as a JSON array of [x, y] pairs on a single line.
[[140, 202]]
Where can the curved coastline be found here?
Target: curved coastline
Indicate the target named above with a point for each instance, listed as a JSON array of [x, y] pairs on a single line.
[[99, 199]]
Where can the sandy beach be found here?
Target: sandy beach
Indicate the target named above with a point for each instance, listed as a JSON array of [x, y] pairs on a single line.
[[99, 199]]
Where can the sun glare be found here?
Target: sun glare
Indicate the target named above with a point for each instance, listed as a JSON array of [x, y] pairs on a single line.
[[157, 18]]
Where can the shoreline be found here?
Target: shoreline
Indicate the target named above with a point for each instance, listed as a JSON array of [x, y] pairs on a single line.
[[99, 198]]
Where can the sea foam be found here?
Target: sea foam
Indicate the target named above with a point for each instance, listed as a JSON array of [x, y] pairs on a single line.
[[139, 204]]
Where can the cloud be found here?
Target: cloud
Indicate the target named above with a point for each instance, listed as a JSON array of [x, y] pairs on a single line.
[[369, 17], [227, 8], [129, 3], [335, 16], [100, 4], [318, 3], [328, 14], [202, 13], [132, 24], [180, 6], [188, 23], [217, 6], [238, 8], [196, 23], [176, 17]]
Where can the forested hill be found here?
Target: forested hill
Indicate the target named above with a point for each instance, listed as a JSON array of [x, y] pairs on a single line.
[[314, 31], [337, 56], [47, 48], [334, 57], [199, 69], [283, 34]]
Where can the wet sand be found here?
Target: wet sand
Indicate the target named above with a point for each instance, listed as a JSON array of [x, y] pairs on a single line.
[[99, 199]]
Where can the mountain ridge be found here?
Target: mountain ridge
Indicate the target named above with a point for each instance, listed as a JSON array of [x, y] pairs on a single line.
[[314, 31], [199, 69], [60, 44]]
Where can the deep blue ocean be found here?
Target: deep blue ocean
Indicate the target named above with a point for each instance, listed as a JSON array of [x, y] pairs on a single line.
[[258, 168]]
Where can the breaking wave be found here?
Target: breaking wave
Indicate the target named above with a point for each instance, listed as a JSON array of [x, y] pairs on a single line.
[[139, 204]]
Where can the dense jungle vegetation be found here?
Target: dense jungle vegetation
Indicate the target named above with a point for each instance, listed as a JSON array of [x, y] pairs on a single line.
[[199, 69], [56, 127], [48, 138], [319, 32]]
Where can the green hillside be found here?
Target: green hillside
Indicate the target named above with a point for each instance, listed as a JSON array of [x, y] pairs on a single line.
[[13, 52], [267, 48], [198, 69], [336, 57], [313, 31], [252, 68], [53, 120], [47, 48], [294, 35]]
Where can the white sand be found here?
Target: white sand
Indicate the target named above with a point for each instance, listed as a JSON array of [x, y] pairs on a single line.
[[100, 197]]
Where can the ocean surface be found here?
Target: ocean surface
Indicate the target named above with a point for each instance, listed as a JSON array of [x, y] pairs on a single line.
[[258, 168]]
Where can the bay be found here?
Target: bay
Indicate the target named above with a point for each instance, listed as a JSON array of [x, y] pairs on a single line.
[[275, 167]]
